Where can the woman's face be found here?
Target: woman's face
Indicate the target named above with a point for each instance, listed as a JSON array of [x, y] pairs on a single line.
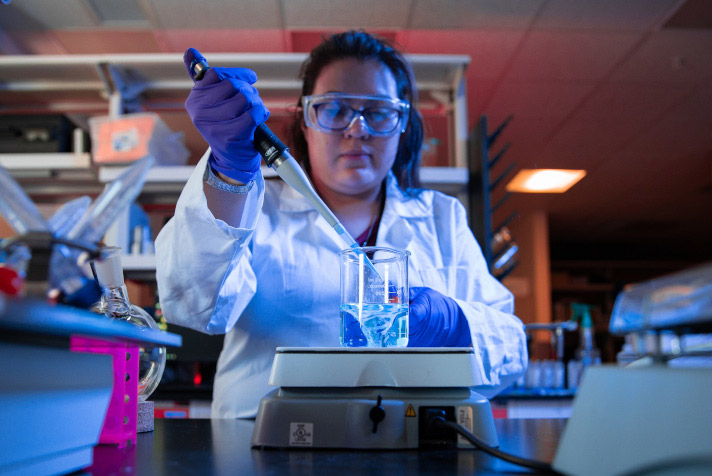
[[352, 162]]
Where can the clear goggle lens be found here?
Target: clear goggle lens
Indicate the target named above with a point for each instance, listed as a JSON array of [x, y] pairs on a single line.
[[333, 113]]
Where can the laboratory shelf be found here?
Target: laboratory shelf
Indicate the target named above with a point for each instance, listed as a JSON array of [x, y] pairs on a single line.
[[86, 80], [46, 161], [170, 180], [446, 178], [159, 174], [117, 83]]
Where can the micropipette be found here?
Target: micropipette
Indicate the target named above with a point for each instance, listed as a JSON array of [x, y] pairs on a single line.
[[278, 158]]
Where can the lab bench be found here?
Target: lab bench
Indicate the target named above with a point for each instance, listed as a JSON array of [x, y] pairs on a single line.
[[222, 446]]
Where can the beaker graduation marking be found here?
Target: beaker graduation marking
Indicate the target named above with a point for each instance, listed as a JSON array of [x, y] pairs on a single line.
[[361, 279], [385, 285]]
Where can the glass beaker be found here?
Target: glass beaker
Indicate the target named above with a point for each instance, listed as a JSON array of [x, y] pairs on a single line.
[[374, 305]]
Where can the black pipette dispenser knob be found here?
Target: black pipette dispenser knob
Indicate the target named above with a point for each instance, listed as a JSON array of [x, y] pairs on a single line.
[[268, 145], [199, 66]]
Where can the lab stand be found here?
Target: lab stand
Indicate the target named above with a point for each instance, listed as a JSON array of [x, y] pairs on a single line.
[[53, 400]]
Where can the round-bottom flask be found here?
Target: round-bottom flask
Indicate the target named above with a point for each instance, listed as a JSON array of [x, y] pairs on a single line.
[[152, 360], [115, 304]]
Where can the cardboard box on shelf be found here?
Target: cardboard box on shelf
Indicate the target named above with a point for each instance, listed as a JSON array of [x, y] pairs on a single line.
[[131, 137]]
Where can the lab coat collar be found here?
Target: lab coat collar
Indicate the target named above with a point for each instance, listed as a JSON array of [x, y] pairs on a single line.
[[404, 205], [400, 213]]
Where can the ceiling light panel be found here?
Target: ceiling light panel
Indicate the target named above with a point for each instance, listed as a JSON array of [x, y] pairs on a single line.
[[544, 180]]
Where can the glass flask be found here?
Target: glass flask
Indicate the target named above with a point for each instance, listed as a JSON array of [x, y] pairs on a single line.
[[115, 304]]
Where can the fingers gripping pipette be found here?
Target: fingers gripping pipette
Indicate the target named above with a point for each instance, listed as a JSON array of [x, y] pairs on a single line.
[[278, 158]]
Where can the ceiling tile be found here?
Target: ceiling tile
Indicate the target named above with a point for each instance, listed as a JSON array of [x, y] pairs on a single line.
[[604, 181], [527, 136], [224, 40], [125, 13], [303, 41], [107, 41], [691, 14], [660, 155], [696, 108], [584, 143], [670, 56], [623, 198], [221, 14], [612, 116], [628, 193], [603, 14], [345, 14], [537, 98], [489, 51], [644, 101], [36, 15], [570, 55], [475, 14]]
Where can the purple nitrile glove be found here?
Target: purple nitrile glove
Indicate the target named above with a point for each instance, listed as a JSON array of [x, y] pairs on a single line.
[[226, 109], [435, 320]]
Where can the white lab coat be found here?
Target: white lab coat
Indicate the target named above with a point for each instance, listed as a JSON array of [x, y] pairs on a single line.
[[274, 281]]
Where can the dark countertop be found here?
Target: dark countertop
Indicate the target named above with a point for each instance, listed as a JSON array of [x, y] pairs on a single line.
[[221, 446]]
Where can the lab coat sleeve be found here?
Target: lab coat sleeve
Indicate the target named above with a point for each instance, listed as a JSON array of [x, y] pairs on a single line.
[[498, 336], [203, 269]]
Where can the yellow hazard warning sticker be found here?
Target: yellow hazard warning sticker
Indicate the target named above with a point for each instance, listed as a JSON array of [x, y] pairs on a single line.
[[410, 412]]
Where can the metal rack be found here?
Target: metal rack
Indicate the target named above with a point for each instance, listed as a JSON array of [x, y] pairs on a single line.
[[497, 245]]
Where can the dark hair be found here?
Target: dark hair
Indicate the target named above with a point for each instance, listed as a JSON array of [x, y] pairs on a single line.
[[364, 46]]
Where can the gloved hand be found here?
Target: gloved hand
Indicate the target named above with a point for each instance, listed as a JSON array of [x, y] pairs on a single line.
[[435, 320], [226, 109]]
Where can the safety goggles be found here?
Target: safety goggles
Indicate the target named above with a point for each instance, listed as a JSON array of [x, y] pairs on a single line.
[[333, 113]]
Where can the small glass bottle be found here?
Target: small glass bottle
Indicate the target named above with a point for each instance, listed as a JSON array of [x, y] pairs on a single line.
[[115, 304]]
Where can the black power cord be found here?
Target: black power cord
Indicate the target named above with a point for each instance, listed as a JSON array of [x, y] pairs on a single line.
[[437, 420]]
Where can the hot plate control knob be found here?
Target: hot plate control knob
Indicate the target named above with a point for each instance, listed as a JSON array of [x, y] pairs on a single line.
[[377, 413]]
